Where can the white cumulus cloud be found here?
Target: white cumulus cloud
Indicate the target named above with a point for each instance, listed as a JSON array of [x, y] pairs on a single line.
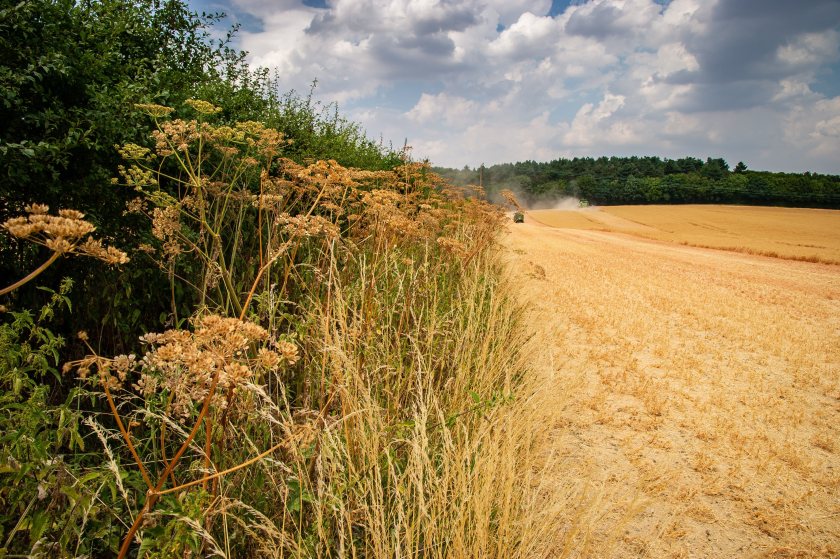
[[472, 81]]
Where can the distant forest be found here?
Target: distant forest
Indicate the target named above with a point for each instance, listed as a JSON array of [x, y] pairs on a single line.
[[652, 180]]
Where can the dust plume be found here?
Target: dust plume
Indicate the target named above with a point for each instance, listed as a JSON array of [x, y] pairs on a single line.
[[519, 200], [562, 203]]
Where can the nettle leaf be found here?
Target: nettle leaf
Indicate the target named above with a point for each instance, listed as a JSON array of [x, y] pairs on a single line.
[[38, 524]]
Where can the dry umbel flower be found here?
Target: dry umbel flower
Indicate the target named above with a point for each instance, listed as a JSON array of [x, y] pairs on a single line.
[[452, 246], [510, 198], [203, 107], [308, 226], [95, 249], [183, 363], [166, 222], [153, 110], [61, 233]]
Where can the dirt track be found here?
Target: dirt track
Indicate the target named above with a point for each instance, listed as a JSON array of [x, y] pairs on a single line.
[[703, 417]]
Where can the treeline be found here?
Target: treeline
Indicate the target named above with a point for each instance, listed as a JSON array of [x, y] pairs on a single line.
[[653, 180]]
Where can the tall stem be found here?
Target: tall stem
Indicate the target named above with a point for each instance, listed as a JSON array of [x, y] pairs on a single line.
[[35, 273], [125, 434], [151, 496]]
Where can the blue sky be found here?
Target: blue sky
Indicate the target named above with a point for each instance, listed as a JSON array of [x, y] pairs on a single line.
[[488, 81]]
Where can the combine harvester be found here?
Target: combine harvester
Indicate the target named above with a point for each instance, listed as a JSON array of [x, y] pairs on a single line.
[[510, 198]]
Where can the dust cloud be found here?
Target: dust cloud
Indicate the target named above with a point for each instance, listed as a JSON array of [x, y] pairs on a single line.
[[564, 203], [526, 201]]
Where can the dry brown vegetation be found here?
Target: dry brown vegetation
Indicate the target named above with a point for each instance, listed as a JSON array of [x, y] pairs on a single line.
[[347, 379], [697, 391], [791, 233]]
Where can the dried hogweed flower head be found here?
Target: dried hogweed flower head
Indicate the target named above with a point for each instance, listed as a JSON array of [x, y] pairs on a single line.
[[61, 233], [184, 363], [288, 351], [109, 255], [308, 226], [175, 135], [452, 246]]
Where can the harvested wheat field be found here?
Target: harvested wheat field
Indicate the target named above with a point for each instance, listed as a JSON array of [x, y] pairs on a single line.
[[812, 235], [698, 394]]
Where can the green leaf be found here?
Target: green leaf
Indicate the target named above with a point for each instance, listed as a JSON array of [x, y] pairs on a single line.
[[38, 525], [71, 493], [88, 477]]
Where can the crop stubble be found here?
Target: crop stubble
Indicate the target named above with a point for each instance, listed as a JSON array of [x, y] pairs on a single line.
[[811, 235], [702, 401]]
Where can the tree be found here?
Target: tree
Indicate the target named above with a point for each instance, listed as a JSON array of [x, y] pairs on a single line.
[[714, 168], [740, 167]]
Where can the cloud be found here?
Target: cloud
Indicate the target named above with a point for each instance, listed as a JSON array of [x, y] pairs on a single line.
[[451, 109], [526, 38], [744, 40], [606, 19], [810, 49], [595, 123], [471, 81], [816, 128]]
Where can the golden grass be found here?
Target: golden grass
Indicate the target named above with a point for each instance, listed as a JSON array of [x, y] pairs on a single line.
[[459, 491], [790, 233], [704, 395]]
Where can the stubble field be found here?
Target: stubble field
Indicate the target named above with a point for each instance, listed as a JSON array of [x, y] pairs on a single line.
[[696, 392], [811, 235]]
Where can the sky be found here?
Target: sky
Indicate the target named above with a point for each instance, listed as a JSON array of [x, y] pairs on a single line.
[[470, 82]]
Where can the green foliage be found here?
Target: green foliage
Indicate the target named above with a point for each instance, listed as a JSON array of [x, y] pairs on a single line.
[[44, 493], [318, 131], [386, 290], [175, 530], [70, 73]]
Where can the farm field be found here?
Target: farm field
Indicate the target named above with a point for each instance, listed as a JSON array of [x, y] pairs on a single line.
[[790, 233], [697, 391]]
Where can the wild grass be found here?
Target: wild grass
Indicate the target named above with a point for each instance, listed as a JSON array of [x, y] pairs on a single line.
[[349, 381]]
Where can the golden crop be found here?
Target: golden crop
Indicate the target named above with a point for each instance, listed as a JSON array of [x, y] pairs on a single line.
[[790, 233], [702, 388]]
